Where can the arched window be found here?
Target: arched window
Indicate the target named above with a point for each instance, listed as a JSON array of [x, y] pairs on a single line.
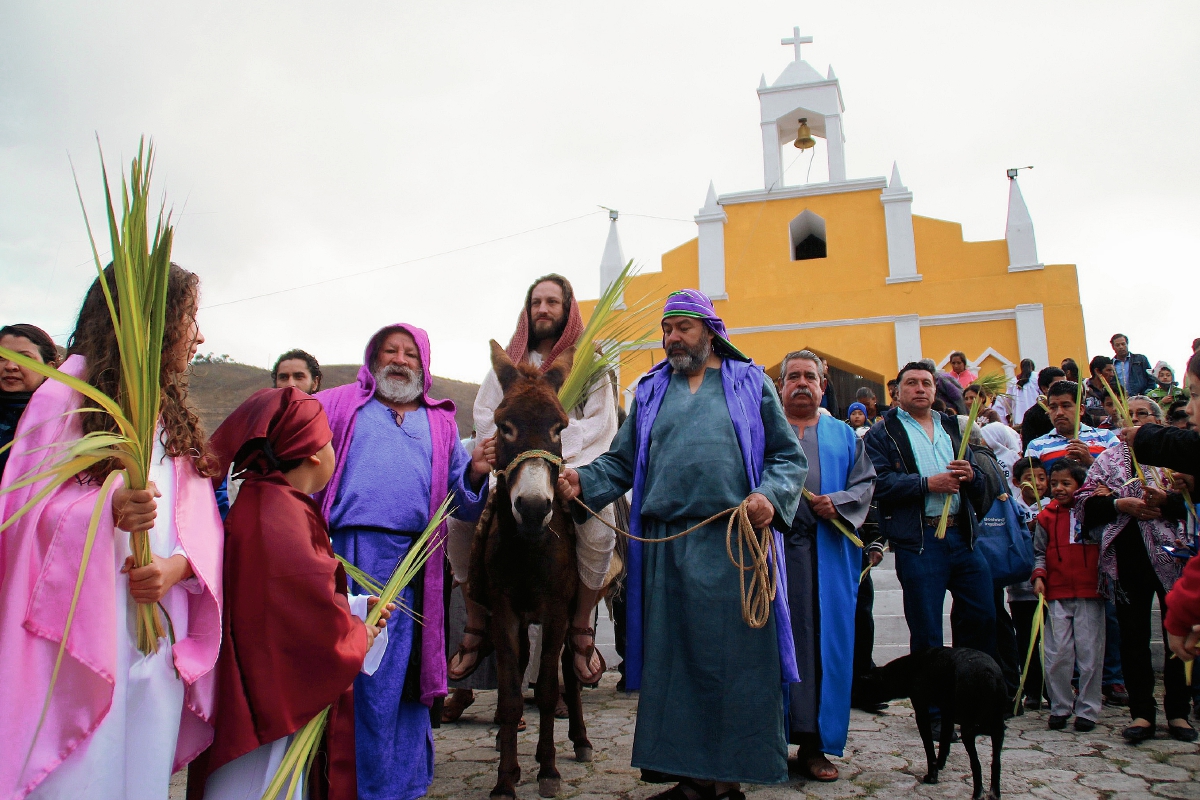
[[807, 236]]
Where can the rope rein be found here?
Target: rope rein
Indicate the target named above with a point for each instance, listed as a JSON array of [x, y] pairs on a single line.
[[528, 455], [757, 545]]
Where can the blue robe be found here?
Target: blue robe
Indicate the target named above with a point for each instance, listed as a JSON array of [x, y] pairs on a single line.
[[827, 578]]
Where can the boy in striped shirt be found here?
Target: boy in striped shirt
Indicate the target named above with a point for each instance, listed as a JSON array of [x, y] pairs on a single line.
[[1062, 442]]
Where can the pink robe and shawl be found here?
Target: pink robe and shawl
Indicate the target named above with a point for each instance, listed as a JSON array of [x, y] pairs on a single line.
[[341, 407], [39, 565]]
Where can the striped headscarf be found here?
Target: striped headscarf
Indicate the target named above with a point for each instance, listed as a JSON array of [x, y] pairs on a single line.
[[694, 303]]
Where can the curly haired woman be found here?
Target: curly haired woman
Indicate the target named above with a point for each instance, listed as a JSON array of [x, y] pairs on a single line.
[[118, 722]]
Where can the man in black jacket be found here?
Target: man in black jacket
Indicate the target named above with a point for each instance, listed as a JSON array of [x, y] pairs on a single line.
[[914, 452]]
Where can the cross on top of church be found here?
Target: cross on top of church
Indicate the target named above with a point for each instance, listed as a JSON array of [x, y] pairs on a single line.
[[797, 40]]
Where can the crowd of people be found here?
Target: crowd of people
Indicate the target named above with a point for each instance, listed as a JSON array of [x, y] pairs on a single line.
[[267, 630]]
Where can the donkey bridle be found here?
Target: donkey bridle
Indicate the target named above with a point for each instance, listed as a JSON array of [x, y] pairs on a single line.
[[528, 455]]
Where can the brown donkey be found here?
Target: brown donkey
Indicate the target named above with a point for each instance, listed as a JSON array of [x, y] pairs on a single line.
[[523, 565]]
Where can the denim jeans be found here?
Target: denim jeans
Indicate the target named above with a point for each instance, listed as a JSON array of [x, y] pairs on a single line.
[[947, 564]]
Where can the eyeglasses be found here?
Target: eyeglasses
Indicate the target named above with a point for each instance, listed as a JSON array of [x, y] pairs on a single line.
[[1142, 413]]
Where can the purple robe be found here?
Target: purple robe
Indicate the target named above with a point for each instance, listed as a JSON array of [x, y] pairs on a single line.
[[341, 406]]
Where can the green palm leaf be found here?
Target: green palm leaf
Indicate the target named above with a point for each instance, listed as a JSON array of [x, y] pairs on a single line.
[[300, 753], [141, 267], [607, 340]]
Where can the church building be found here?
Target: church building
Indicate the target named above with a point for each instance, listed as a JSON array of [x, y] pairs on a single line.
[[846, 269]]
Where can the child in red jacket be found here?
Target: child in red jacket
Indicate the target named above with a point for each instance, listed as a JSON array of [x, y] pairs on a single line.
[[1066, 572]]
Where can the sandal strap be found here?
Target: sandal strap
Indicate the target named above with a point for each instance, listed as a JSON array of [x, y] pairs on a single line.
[[573, 631]]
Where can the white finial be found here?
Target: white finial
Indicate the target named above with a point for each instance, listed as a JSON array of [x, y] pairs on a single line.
[[829, 76], [1022, 247], [797, 40], [710, 201], [613, 259]]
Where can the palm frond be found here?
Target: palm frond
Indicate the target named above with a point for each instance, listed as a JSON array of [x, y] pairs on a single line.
[[985, 381], [607, 340], [994, 383], [300, 753], [842, 527]]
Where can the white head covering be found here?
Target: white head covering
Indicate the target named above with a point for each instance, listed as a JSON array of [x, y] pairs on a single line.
[[1004, 441]]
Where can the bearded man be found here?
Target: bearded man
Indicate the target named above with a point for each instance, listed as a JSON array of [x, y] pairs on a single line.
[[549, 325], [397, 457], [705, 433], [823, 565]]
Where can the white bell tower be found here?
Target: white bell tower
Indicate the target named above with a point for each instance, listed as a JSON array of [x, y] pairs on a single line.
[[800, 92]]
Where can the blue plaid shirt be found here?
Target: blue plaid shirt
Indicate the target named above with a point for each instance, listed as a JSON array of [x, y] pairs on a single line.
[[932, 458]]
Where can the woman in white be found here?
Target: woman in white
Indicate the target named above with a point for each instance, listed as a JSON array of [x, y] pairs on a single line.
[[119, 722]]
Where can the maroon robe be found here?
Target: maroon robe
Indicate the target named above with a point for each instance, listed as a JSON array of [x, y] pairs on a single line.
[[290, 646]]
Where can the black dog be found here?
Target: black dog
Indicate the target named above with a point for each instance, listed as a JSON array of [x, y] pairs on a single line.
[[968, 688]]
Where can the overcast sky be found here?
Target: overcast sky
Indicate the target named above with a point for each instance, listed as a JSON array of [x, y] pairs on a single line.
[[299, 142]]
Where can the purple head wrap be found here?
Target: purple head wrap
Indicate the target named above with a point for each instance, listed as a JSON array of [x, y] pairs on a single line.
[[695, 303]]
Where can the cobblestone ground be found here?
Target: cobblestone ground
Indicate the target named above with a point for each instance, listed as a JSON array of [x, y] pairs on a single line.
[[884, 758]]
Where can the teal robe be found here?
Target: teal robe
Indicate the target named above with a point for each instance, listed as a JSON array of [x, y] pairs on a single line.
[[710, 705]]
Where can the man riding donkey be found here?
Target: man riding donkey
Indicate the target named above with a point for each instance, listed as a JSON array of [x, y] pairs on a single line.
[[706, 433], [549, 325], [823, 565], [397, 458]]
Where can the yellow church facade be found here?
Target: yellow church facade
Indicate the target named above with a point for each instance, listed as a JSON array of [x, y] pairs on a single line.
[[844, 267]]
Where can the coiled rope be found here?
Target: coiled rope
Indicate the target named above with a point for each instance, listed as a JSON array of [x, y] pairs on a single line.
[[756, 544]]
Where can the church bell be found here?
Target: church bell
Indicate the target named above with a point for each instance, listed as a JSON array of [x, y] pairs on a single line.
[[804, 139]]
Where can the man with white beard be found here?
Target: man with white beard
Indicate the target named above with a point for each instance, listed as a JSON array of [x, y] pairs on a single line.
[[397, 457]]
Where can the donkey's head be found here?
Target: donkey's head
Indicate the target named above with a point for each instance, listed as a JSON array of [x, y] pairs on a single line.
[[529, 422]]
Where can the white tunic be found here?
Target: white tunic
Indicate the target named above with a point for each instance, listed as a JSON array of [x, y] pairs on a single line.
[[132, 751]]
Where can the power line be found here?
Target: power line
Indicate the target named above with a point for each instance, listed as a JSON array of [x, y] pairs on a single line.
[[401, 263], [651, 216]]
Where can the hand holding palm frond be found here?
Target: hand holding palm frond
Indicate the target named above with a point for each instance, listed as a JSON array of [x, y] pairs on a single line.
[[140, 269], [992, 383], [606, 340], [305, 742]]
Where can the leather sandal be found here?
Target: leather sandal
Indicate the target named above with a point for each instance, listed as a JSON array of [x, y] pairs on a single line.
[[816, 766], [453, 708], [686, 789], [593, 680], [464, 651]]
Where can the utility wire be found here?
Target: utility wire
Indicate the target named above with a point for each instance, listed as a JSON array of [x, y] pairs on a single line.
[[400, 263]]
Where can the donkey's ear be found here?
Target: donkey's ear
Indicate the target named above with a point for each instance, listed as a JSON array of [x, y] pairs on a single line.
[[556, 376], [502, 365]]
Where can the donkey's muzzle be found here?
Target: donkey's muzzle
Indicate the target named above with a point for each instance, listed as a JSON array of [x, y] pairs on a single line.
[[532, 494], [533, 511]]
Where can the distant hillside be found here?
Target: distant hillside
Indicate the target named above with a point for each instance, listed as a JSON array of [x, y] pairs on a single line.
[[217, 389]]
